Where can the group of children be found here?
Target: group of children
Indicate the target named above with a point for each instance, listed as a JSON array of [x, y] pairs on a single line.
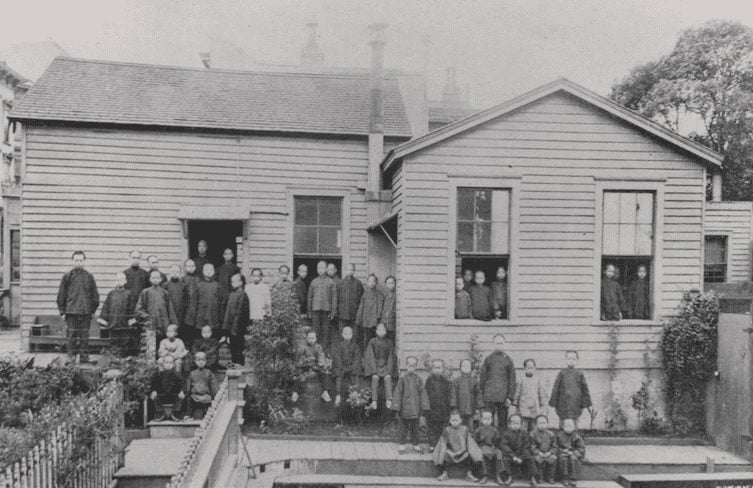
[[520, 442], [633, 302], [475, 300]]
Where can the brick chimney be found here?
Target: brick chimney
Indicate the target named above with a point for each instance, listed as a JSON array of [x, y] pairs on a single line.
[[312, 57]]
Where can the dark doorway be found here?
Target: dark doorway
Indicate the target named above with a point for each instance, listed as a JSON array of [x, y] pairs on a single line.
[[219, 234]]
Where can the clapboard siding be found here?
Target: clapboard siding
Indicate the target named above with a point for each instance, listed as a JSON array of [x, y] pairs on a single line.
[[734, 220], [559, 148], [109, 191]]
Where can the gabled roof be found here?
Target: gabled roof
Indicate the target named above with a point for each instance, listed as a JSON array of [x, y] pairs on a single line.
[[86, 91], [701, 152]]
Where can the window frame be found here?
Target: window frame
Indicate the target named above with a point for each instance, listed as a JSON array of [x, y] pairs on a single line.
[[727, 240], [12, 254], [512, 184], [656, 186]]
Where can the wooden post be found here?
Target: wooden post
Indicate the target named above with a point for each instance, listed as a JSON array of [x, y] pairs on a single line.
[[716, 187]]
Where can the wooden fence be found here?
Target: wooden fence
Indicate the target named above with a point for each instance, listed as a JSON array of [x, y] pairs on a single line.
[[45, 463]]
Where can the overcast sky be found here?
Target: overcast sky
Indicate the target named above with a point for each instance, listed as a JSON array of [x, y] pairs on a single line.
[[500, 48]]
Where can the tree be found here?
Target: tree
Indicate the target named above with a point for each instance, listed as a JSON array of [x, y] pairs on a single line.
[[706, 79]]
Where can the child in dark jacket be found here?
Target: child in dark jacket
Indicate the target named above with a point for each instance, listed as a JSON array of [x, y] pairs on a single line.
[[208, 345], [379, 363], [389, 308], [462, 300], [638, 300], [210, 302], [167, 390], [544, 450], [154, 303], [499, 293], [466, 395], [201, 387], [516, 451], [572, 450], [482, 301], [370, 310], [409, 401], [176, 290], [497, 381], [456, 446], [189, 332], [487, 437], [237, 319], [612, 302], [570, 394], [439, 389], [227, 270], [346, 365], [312, 364], [117, 317]]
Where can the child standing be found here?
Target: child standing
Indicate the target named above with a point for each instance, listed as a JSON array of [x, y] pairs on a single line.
[[322, 302], [209, 346], [201, 387], [499, 293], [439, 389], [410, 400], [572, 450], [210, 302], [349, 292], [487, 437], [176, 290], [370, 309], [153, 262], [379, 363], [462, 300], [638, 301], [497, 381], [190, 279], [612, 302], [227, 270], [237, 319], [172, 346], [259, 297], [544, 448], [389, 307], [167, 390], [482, 302], [467, 279], [154, 302], [466, 395], [456, 446], [117, 317], [530, 396], [516, 452], [570, 394], [300, 289], [346, 365]]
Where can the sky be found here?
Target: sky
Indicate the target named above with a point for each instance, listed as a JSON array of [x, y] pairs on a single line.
[[500, 48]]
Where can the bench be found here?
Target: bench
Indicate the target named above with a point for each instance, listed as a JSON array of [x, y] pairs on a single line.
[[48, 333], [688, 480]]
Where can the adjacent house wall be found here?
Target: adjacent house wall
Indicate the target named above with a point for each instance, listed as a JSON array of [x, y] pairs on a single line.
[[734, 220]]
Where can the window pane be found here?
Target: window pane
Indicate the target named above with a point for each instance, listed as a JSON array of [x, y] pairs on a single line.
[[627, 240], [305, 211], [644, 239], [328, 240], [465, 203], [611, 239], [500, 238], [483, 231], [501, 206], [305, 240], [465, 237], [15, 253], [715, 250], [329, 212], [611, 207], [627, 208], [645, 208], [483, 205]]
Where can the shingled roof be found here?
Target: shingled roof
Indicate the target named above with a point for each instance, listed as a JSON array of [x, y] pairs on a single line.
[[78, 90]]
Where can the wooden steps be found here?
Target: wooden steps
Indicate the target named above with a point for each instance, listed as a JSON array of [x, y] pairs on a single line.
[[687, 480], [150, 463], [341, 481], [172, 430]]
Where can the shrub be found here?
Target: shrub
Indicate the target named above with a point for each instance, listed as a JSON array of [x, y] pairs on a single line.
[[689, 350], [137, 373]]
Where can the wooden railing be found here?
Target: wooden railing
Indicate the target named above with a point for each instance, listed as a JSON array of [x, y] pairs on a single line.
[[45, 463]]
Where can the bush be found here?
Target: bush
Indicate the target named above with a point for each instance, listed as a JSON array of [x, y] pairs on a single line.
[[689, 355], [137, 373]]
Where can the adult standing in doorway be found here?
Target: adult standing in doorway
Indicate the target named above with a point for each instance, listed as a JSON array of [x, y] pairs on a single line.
[[78, 299], [137, 278], [202, 258], [349, 293]]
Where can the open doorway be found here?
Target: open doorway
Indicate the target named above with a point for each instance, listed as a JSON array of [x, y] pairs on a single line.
[[219, 235]]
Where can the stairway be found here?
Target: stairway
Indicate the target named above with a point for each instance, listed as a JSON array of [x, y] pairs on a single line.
[[340, 481]]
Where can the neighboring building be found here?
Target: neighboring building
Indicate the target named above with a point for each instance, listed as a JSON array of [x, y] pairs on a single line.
[[728, 234]]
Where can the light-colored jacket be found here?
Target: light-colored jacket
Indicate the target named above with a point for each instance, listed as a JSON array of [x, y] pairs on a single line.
[[530, 397], [259, 300]]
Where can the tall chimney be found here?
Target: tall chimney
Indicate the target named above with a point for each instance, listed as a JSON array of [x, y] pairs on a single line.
[[312, 57], [376, 107], [716, 187]]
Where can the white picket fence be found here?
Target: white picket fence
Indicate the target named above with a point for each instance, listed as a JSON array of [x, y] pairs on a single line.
[[41, 467]]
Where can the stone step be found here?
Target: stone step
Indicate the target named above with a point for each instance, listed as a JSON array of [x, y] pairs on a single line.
[[341, 481], [150, 463], [172, 430], [687, 480]]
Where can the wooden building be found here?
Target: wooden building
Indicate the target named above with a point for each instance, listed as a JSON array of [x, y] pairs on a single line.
[[290, 168]]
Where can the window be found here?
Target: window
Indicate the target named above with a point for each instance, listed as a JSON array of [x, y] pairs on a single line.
[[317, 232], [483, 237], [715, 259], [15, 255], [627, 250], [4, 111]]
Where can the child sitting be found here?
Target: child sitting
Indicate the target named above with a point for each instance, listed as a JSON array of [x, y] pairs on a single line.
[[612, 301], [209, 346], [544, 449], [172, 346], [572, 450], [466, 395], [499, 293], [201, 387], [570, 394], [516, 451], [379, 363], [456, 446], [462, 300], [154, 303], [117, 317], [482, 302], [370, 310], [312, 362], [410, 400], [638, 301], [237, 319], [167, 390], [487, 437], [530, 396], [346, 365], [440, 394]]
